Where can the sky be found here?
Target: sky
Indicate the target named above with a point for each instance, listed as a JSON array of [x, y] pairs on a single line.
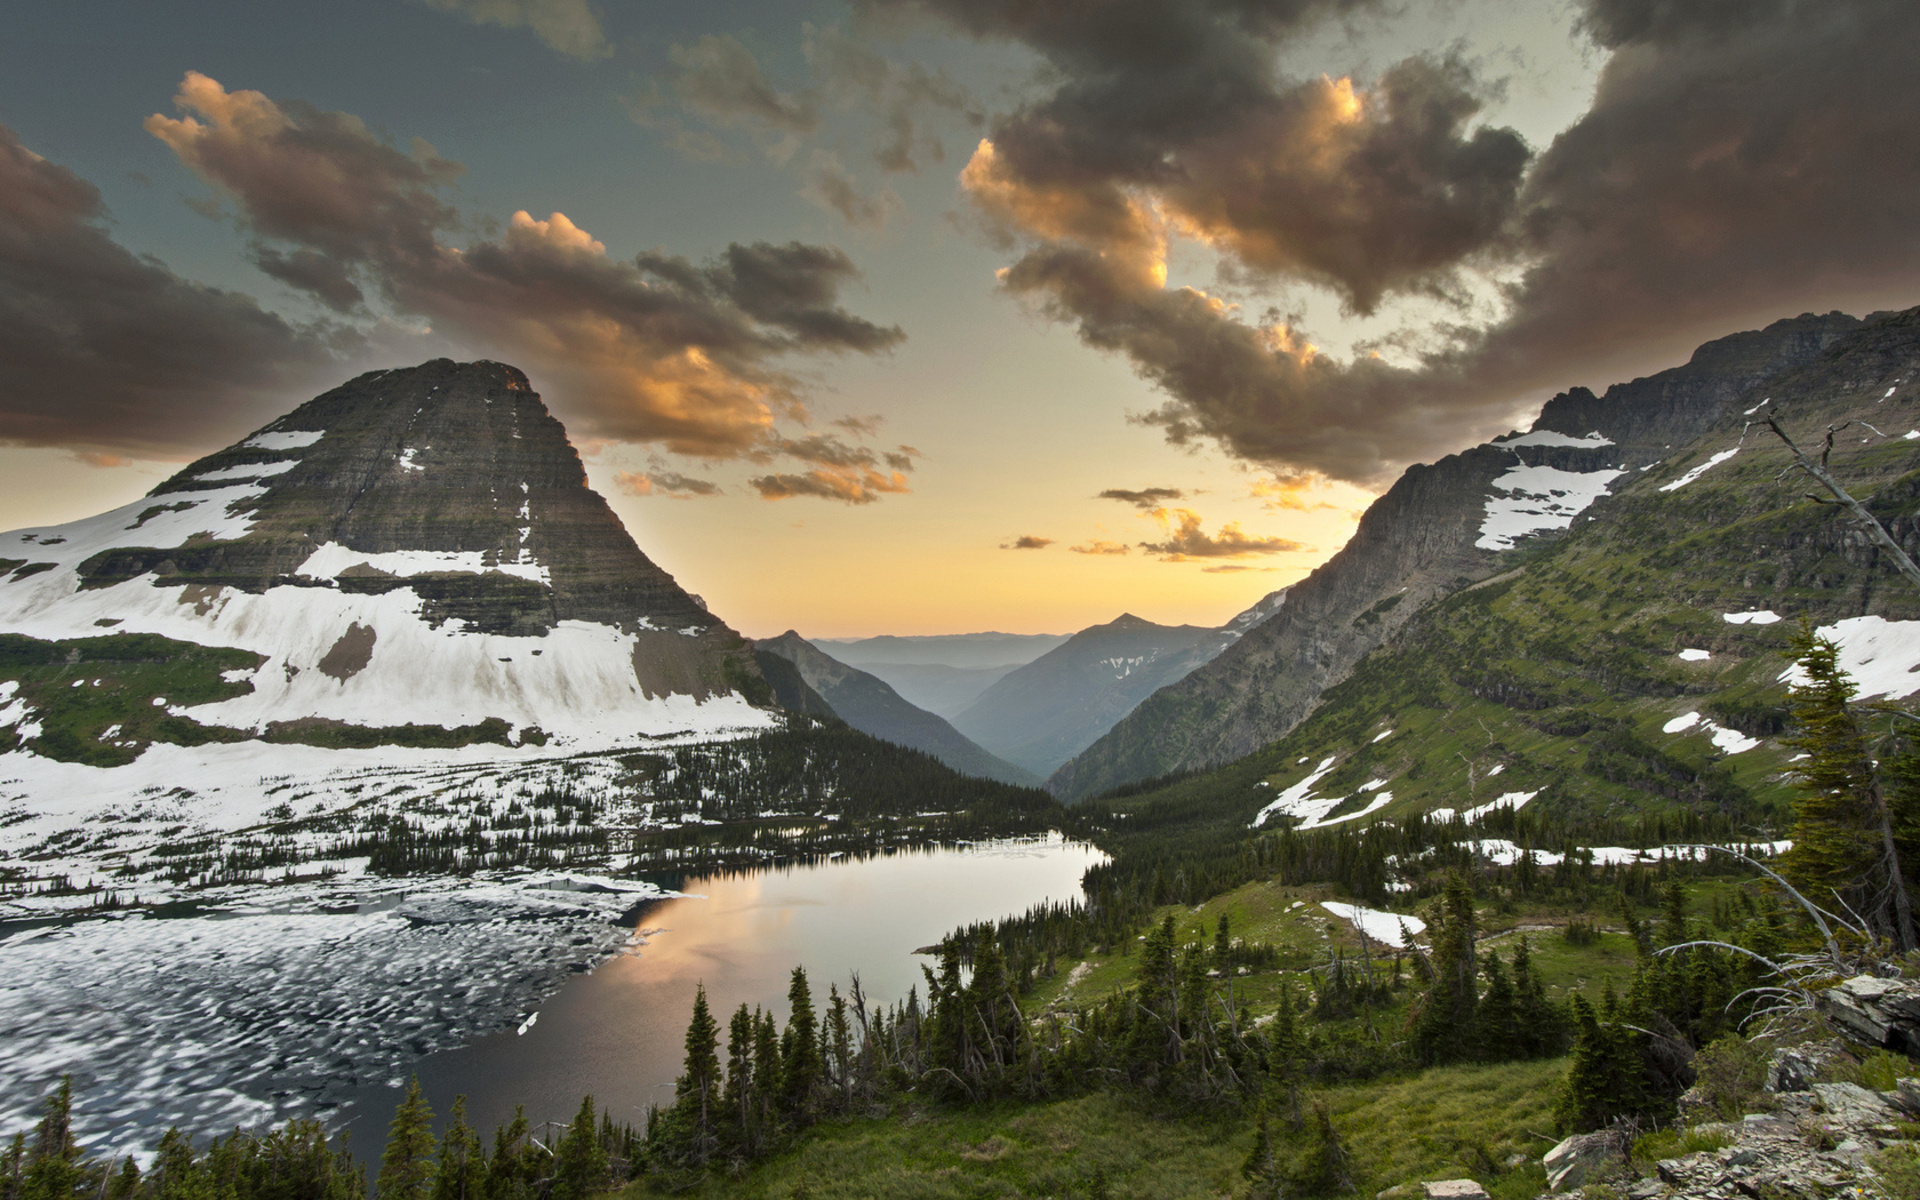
[[932, 316]]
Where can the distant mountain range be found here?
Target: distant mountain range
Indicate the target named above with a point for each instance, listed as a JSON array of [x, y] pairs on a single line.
[[871, 706], [942, 674]]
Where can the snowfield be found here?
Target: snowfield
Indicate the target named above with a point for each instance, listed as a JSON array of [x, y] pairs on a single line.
[[1532, 500], [1882, 656]]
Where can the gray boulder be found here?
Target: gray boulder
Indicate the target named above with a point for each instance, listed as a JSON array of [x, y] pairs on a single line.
[[1573, 1161], [1878, 1012]]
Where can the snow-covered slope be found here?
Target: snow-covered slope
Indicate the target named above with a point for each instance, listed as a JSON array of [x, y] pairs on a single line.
[[415, 548]]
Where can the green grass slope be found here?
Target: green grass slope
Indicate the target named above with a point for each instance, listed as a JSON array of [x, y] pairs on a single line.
[[1560, 675]]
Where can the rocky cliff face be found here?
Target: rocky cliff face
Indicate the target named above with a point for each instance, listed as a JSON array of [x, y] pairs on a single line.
[[417, 546], [1439, 527]]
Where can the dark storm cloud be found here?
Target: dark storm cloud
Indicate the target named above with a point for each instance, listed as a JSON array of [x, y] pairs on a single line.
[[1740, 161], [106, 350], [657, 349], [1152, 497]]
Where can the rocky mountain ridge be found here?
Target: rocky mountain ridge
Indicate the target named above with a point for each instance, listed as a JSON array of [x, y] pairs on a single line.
[[1439, 528]]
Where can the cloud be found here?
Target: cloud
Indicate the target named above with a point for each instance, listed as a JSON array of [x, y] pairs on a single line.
[[1186, 541], [902, 97], [1099, 547], [720, 80], [1232, 569], [1027, 541], [569, 26], [1152, 497], [829, 186], [664, 483], [97, 458], [108, 352], [1290, 493], [1732, 168], [656, 349], [850, 485]]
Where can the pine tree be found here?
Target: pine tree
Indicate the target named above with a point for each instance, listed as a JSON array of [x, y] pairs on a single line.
[[1497, 1019], [462, 1173], [697, 1091], [54, 1169], [800, 1067], [1222, 947], [739, 1092], [407, 1167], [1444, 1030], [1843, 838], [579, 1162], [508, 1174]]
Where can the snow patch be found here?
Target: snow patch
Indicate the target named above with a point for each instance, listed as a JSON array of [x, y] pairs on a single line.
[[1538, 499], [1700, 470], [1882, 656], [331, 558], [1297, 800], [1382, 736], [1547, 437], [1694, 656], [1759, 617], [1382, 927], [264, 470], [1728, 741], [287, 439]]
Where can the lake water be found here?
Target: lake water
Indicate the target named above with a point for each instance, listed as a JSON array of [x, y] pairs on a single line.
[[618, 1034]]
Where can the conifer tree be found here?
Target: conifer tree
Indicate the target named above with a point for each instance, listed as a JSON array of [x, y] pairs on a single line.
[[1843, 837], [177, 1169], [1497, 1019], [508, 1174], [407, 1168], [462, 1173], [738, 1098], [697, 1091], [1223, 947], [54, 1168], [1444, 1030], [1285, 1052], [800, 1067], [580, 1161]]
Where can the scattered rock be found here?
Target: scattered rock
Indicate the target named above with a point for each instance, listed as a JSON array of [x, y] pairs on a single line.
[[1572, 1161]]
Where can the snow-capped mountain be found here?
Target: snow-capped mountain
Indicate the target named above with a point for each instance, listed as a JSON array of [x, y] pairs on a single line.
[[416, 548]]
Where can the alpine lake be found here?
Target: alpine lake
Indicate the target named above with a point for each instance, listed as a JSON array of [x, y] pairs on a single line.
[[617, 1033]]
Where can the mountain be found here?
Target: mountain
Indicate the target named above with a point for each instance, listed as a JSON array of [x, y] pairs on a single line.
[[413, 557], [1043, 713], [970, 650], [872, 707], [1640, 662], [944, 691], [1437, 529]]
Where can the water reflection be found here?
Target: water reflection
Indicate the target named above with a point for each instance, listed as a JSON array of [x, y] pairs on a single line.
[[618, 1033]]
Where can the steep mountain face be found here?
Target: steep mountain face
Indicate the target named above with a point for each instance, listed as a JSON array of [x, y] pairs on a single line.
[[415, 549], [1041, 714], [1641, 662], [872, 707], [1439, 528]]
